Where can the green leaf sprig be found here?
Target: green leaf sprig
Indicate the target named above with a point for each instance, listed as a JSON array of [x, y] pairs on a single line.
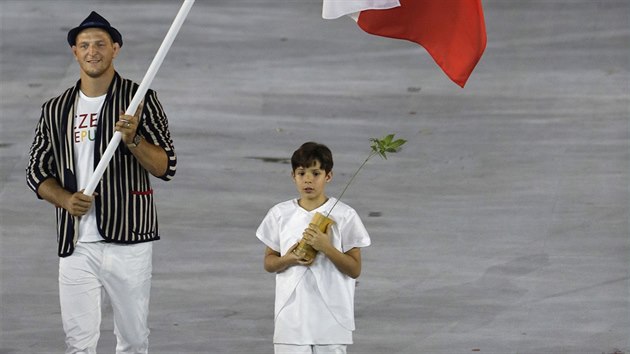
[[380, 147]]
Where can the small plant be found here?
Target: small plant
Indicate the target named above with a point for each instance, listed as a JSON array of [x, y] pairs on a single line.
[[379, 147]]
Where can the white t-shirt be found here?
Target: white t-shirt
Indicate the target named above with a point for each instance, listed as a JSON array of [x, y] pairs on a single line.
[[314, 304], [85, 124]]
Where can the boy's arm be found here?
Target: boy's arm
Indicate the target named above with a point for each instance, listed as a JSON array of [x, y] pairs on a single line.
[[348, 263], [275, 263]]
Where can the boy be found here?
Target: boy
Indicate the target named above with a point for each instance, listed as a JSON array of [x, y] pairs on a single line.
[[314, 307]]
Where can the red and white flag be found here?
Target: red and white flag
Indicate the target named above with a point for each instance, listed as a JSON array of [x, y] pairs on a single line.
[[333, 9], [452, 31]]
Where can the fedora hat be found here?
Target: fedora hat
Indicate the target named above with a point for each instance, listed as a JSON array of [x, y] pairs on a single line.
[[94, 21]]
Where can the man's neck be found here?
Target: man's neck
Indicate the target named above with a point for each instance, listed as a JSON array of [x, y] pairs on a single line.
[[95, 87]]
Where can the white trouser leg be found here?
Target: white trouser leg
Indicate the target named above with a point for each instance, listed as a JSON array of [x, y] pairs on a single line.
[[80, 298], [330, 349], [292, 349], [127, 280], [309, 349]]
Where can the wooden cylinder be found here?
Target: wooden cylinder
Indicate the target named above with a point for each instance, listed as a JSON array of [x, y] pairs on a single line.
[[305, 251]]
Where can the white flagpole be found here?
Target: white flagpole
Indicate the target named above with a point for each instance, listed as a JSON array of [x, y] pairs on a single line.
[[142, 90]]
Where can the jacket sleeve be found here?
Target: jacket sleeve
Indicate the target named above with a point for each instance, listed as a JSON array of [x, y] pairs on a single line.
[[155, 129], [41, 162]]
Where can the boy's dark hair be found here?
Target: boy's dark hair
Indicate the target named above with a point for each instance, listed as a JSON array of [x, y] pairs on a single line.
[[309, 153]]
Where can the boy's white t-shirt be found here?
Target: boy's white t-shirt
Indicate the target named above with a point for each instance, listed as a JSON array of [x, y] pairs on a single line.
[[314, 304], [85, 124]]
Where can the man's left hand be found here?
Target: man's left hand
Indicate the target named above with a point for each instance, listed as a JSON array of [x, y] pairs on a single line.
[[128, 125]]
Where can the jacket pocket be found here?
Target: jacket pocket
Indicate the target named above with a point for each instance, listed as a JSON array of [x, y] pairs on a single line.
[[143, 223]]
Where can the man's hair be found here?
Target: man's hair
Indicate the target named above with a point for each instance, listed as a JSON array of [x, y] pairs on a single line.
[[309, 153]]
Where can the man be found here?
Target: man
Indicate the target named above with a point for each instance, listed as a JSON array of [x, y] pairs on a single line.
[[104, 239]]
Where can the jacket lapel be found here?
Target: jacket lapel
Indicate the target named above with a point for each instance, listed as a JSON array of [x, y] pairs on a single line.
[[67, 126]]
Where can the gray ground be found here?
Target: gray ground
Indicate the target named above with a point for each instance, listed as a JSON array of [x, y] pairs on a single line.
[[501, 228]]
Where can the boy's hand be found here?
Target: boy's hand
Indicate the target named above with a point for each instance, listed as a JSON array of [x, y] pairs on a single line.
[[317, 239], [294, 259]]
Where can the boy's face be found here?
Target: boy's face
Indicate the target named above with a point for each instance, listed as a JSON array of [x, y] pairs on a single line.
[[311, 182]]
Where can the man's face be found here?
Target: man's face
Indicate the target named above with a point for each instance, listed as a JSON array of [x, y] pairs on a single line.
[[95, 51]]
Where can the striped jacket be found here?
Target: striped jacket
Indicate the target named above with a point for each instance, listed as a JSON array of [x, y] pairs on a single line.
[[125, 209]]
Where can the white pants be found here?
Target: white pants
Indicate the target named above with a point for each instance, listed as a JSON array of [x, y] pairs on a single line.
[[309, 349], [124, 273]]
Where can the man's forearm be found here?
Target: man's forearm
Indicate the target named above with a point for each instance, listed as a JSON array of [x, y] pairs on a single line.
[[77, 204], [52, 192], [152, 157]]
